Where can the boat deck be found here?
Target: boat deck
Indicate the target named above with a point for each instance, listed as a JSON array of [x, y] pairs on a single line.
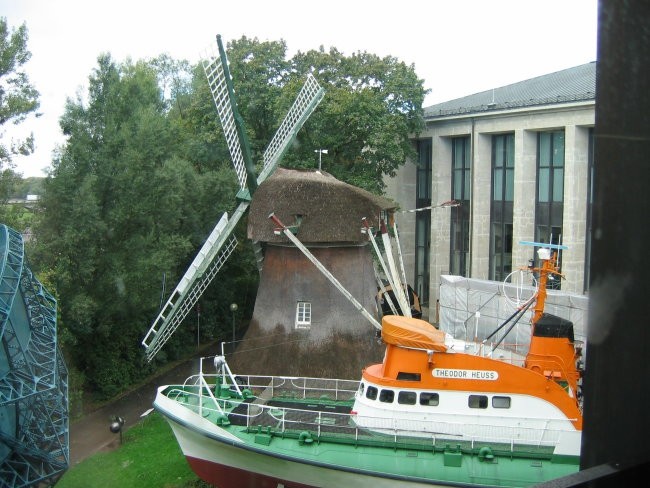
[[310, 422], [291, 408]]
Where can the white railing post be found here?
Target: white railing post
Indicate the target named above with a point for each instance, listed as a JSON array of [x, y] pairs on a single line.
[[201, 387]]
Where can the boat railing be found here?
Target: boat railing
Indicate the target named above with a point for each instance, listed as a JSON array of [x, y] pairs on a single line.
[[325, 424], [543, 435], [333, 426], [295, 387], [506, 353]]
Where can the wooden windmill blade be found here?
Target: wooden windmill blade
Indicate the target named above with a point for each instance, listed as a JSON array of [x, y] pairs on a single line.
[[215, 66], [306, 102], [222, 242], [207, 263], [216, 70]]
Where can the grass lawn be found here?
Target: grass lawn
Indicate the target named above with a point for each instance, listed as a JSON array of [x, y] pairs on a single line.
[[149, 457]]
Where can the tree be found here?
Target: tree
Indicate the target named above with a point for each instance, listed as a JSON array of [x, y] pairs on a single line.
[[120, 209], [372, 107], [145, 174], [18, 98]]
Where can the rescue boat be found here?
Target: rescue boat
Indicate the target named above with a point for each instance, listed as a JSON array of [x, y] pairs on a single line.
[[436, 412]]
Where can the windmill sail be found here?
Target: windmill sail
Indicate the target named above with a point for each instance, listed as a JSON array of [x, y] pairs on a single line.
[[221, 242], [307, 100], [309, 97], [207, 263], [216, 71]]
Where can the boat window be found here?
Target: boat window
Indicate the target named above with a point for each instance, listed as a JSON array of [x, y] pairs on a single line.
[[404, 376], [501, 402], [431, 399], [478, 401], [371, 393], [407, 397], [387, 396], [361, 387]]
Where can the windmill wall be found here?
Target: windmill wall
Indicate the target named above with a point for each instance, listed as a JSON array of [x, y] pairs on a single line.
[[327, 214], [288, 277], [339, 342]]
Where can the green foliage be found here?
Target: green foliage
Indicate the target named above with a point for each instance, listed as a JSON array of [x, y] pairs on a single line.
[[18, 98], [372, 107], [27, 186], [145, 175], [120, 209], [17, 215], [148, 458], [379, 103]]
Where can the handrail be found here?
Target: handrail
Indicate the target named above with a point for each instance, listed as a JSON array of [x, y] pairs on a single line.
[[297, 420], [325, 422]]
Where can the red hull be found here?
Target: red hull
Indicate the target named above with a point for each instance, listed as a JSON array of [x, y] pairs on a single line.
[[228, 477]]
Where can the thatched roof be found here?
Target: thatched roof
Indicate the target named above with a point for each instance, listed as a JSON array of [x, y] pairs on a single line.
[[331, 210]]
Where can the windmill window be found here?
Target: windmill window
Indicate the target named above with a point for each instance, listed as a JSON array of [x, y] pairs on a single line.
[[303, 315]]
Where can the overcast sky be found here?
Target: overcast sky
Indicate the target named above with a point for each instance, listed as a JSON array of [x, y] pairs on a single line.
[[458, 47]]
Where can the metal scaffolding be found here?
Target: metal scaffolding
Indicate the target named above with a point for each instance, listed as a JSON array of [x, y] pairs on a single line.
[[34, 420]]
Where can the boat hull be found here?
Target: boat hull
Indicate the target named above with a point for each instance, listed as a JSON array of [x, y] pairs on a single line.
[[227, 464], [225, 460]]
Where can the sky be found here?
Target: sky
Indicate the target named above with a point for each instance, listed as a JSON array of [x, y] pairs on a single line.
[[458, 47]]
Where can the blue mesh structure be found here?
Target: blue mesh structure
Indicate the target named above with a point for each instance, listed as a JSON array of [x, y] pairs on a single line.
[[34, 434]]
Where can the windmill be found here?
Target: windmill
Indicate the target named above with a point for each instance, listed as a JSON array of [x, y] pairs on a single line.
[[221, 242]]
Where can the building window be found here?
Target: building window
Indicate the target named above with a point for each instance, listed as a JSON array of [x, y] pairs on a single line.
[[550, 191], [303, 315], [461, 192], [423, 220], [501, 208]]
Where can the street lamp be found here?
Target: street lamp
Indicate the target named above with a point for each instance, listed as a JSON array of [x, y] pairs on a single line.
[[320, 156], [116, 425], [233, 309]]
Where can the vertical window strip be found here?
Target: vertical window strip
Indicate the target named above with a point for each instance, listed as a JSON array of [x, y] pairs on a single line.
[[461, 192], [423, 219], [501, 209], [590, 201], [550, 190]]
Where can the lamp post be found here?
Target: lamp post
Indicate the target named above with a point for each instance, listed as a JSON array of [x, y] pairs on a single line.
[[320, 156], [233, 309], [116, 425]]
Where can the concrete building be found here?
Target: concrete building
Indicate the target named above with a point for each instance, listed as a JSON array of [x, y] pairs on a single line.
[[519, 161]]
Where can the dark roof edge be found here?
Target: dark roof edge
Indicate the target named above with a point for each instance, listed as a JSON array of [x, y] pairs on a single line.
[[493, 107], [570, 85]]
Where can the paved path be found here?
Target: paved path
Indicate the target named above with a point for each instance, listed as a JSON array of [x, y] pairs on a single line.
[[91, 433]]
